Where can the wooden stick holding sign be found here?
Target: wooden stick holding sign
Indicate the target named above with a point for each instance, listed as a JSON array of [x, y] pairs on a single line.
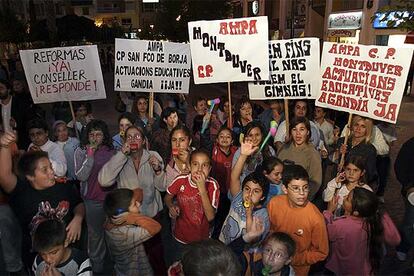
[[341, 163], [151, 105], [287, 117], [74, 119], [230, 119]]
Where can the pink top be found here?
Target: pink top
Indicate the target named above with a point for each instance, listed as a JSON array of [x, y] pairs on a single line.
[[348, 243]]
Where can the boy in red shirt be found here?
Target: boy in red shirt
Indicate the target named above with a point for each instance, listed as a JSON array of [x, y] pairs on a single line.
[[197, 196]]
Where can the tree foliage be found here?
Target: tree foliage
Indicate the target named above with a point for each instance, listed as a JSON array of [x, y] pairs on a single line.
[[173, 16], [403, 15]]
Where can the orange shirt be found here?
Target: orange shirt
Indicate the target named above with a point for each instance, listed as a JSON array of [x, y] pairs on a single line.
[[306, 226]]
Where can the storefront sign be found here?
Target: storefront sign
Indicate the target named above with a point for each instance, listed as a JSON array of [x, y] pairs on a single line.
[[345, 21], [341, 33]]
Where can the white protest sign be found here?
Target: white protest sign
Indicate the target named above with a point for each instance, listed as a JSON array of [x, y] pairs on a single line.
[[63, 74], [229, 50], [293, 64], [364, 80], [152, 66]]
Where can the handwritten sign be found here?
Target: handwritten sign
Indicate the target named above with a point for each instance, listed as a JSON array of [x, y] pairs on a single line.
[[63, 74], [229, 50], [364, 80], [292, 64], [152, 66]]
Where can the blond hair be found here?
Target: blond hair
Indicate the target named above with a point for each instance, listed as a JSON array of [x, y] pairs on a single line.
[[368, 124]]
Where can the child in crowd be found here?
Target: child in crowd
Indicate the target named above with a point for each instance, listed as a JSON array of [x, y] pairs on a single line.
[[356, 239], [254, 133], [197, 197], [353, 176], [206, 258], [272, 169], [54, 256], [222, 152], [247, 200], [295, 215], [125, 240]]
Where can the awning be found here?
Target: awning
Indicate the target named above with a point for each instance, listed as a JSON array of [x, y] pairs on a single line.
[[409, 39]]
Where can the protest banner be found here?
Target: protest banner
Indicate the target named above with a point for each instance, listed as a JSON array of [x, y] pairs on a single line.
[[292, 64], [364, 80], [229, 50], [152, 66], [63, 74]]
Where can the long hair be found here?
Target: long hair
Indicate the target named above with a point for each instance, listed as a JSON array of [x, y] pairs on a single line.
[[96, 125], [369, 126], [266, 149], [367, 205], [244, 100], [179, 127], [361, 163]]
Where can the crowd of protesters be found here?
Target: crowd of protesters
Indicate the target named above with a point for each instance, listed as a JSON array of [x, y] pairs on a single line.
[[167, 195]]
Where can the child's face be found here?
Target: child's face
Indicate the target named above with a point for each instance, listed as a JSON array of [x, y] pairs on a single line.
[[252, 192], [54, 256], [124, 124], [200, 163], [275, 255], [224, 138], [95, 137], [353, 173], [297, 192], [275, 176], [134, 206], [180, 140], [254, 136], [246, 111]]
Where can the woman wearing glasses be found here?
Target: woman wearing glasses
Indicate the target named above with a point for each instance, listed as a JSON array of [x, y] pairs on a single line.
[[141, 170], [94, 151], [302, 152]]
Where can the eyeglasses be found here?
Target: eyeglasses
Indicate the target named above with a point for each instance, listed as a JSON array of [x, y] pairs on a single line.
[[275, 254], [136, 137], [298, 190]]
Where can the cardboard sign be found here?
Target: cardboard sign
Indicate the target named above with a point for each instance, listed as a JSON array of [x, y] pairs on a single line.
[[364, 80], [152, 66], [229, 50], [63, 74], [293, 64]]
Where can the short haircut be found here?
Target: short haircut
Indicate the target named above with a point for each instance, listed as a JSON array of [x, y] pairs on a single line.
[[28, 162], [197, 100], [166, 112], [96, 125], [283, 238], [294, 171], [200, 151], [300, 120], [37, 123], [210, 258], [127, 115], [87, 105], [48, 234], [258, 178], [117, 201]]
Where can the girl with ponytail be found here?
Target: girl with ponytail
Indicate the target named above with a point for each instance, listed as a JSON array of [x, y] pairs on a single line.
[[357, 238]]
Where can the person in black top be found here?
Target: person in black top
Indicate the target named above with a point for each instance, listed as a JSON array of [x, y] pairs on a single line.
[[33, 188]]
